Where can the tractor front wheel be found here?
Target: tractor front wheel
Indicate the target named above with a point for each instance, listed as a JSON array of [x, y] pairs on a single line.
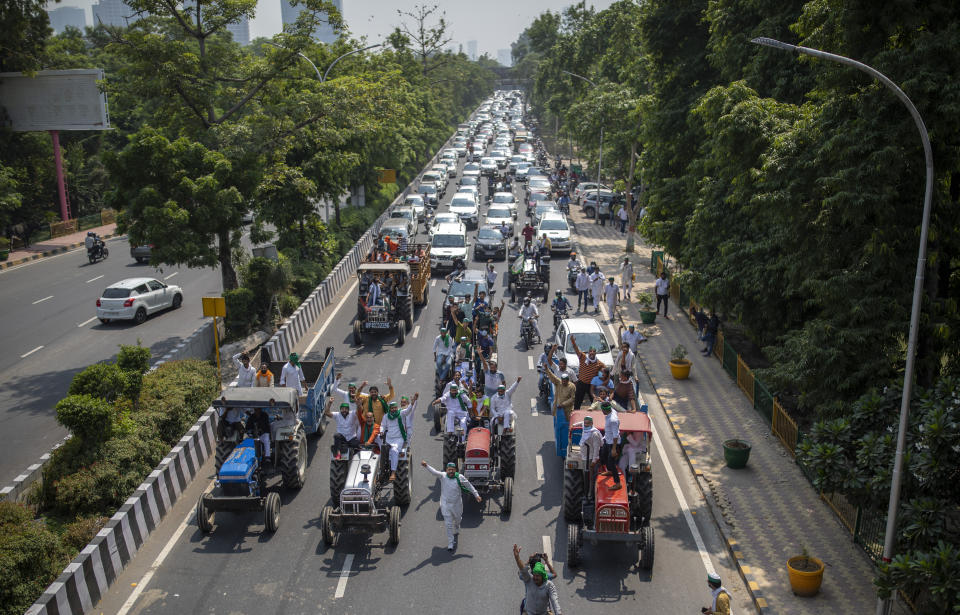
[[394, 525], [507, 496], [204, 517], [574, 544], [357, 332], [400, 333], [326, 530], [271, 512], [646, 548]]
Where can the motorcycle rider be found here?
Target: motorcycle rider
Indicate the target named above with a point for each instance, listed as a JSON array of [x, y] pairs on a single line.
[[559, 306], [529, 315], [93, 244]]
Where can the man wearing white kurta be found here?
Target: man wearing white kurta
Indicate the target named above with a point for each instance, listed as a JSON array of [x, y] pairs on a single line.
[[626, 278], [501, 406], [611, 293], [245, 372], [393, 428], [457, 405], [633, 448], [292, 375], [582, 284], [452, 485], [596, 288]]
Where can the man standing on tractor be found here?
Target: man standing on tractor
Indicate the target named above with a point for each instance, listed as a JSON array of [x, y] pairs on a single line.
[[611, 435], [451, 502], [376, 403], [393, 428], [292, 374], [501, 406], [591, 440], [245, 372]]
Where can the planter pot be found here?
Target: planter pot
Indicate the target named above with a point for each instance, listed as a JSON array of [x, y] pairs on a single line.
[[680, 369], [648, 317], [806, 575], [736, 453], [4, 255]]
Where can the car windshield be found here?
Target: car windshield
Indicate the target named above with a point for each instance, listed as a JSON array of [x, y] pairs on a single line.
[[427, 189], [462, 202], [499, 213], [504, 198], [539, 183], [401, 214], [489, 233], [445, 218], [471, 167], [116, 293], [553, 225], [539, 196], [487, 161], [463, 288], [586, 341], [468, 181], [414, 201], [448, 241]]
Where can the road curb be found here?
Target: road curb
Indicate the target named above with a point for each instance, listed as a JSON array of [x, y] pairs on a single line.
[[744, 570], [36, 257]]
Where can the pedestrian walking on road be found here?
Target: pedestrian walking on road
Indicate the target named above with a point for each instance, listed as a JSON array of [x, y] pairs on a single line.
[[623, 216], [582, 285], [452, 485], [611, 293], [540, 595], [662, 286], [720, 604], [596, 289], [626, 278]]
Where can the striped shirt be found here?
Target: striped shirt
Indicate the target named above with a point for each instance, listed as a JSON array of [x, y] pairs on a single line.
[[588, 370]]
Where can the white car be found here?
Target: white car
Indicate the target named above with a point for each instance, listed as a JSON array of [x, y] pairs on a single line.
[[136, 298], [471, 169], [589, 334], [520, 173], [515, 160], [473, 191], [497, 216], [465, 206], [446, 218], [507, 199], [447, 168], [488, 166], [416, 202], [554, 226], [583, 187]]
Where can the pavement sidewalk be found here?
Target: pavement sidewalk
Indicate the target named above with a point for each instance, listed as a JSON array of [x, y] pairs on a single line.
[[55, 245], [767, 512]]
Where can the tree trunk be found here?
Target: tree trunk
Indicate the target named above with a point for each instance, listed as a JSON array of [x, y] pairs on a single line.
[[631, 206], [228, 274]]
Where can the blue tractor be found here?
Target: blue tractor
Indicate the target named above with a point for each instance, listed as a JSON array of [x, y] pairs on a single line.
[[247, 418]]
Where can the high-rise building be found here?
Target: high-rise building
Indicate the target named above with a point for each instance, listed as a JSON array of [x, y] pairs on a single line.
[[64, 16], [324, 32], [504, 57], [472, 50], [112, 13]]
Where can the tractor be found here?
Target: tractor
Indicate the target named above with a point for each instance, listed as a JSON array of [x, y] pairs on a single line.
[[365, 503], [524, 279], [409, 272], [596, 513], [242, 479], [488, 458]]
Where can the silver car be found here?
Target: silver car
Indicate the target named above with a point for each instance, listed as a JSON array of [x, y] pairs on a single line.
[[136, 298]]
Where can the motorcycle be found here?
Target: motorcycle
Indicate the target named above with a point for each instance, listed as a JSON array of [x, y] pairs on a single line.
[[572, 273], [528, 334], [98, 252], [558, 316]]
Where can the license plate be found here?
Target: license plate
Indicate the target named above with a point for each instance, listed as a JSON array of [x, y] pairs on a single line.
[[378, 325]]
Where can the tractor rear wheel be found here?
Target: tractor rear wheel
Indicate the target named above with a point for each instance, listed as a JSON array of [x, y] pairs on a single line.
[[394, 525], [271, 512], [326, 530], [204, 517], [338, 477], [292, 458], [449, 449], [572, 495], [223, 451], [574, 544], [508, 456], [357, 332], [436, 409], [507, 496], [646, 548], [645, 497], [401, 486]]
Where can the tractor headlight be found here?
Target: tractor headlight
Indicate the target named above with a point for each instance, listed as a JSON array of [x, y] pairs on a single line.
[[605, 512], [620, 513]]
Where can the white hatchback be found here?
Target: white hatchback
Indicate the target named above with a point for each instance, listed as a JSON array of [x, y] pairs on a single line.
[[136, 298]]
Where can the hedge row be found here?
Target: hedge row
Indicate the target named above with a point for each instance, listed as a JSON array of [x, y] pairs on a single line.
[[123, 423]]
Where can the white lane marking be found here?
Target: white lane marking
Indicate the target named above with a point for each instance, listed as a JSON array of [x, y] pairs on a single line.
[[145, 579], [416, 331], [171, 275], [344, 576], [539, 467], [406, 366], [533, 407], [433, 282], [42, 300], [694, 530], [316, 338], [529, 361], [94, 279], [25, 355], [86, 322], [547, 547]]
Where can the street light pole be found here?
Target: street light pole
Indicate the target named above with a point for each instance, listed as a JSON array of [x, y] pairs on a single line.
[[883, 605], [349, 53], [600, 159]]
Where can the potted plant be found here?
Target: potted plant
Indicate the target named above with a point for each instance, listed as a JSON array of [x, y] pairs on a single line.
[[736, 453], [806, 574], [679, 363], [647, 314], [4, 248]]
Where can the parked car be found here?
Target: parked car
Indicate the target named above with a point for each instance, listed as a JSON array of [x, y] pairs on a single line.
[[589, 202], [584, 187], [490, 244], [136, 298], [141, 253]]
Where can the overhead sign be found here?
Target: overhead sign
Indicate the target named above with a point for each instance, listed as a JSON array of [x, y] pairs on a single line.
[[387, 176], [214, 306], [54, 100]]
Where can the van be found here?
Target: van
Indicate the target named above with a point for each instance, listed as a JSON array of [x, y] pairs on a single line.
[[449, 242]]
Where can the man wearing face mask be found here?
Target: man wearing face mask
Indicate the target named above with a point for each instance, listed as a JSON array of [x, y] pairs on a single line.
[[501, 406], [452, 485], [348, 428]]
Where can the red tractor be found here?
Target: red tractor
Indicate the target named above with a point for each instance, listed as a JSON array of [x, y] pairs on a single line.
[[595, 512], [486, 459]]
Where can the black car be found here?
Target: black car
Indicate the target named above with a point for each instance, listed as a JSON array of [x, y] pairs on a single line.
[[490, 244]]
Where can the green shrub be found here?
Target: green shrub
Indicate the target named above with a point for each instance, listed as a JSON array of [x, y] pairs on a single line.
[[175, 395], [134, 359], [77, 534], [31, 557], [87, 491], [241, 311], [288, 305], [105, 381], [88, 418]]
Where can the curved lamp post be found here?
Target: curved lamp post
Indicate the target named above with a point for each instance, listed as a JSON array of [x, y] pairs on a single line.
[[323, 77], [600, 160], [883, 605]]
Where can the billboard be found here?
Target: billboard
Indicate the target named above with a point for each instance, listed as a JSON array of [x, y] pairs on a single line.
[[53, 100]]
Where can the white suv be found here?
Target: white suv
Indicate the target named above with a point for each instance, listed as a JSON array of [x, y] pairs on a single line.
[[449, 241], [554, 226]]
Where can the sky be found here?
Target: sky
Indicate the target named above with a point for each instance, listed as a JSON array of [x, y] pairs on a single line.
[[494, 24]]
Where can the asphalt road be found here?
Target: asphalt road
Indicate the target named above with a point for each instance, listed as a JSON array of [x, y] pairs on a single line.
[[241, 569], [51, 332]]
